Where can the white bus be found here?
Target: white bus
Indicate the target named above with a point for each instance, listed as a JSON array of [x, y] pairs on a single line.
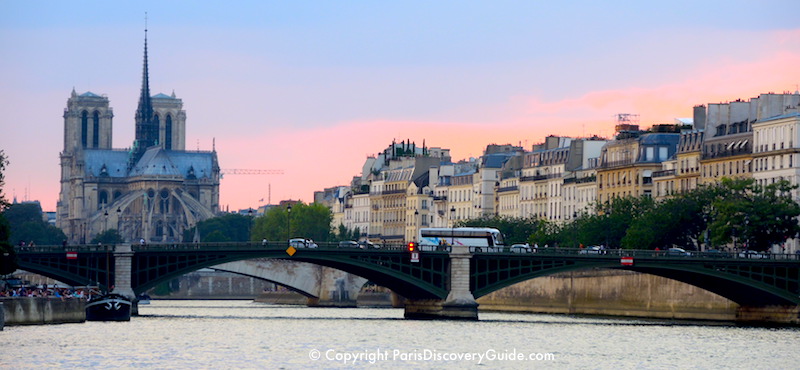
[[479, 239]]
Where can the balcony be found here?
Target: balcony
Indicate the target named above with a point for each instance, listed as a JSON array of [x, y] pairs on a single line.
[[581, 180], [507, 189], [746, 149], [540, 177], [663, 173], [611, 164]]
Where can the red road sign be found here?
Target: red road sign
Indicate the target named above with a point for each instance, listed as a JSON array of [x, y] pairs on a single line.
[[414, 256], [72, 255], [626, 261]]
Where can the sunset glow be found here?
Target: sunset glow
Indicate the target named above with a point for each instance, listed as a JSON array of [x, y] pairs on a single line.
[[313, 92]]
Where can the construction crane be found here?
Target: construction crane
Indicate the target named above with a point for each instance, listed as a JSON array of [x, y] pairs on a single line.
[[235, 171], [238, 171]]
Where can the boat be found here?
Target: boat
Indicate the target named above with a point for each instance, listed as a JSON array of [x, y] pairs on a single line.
[[108, 307]]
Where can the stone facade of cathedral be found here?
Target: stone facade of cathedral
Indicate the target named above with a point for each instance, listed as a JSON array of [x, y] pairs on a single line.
[[154, 190]]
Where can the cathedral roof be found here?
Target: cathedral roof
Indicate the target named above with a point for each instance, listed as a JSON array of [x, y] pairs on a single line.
[[162, 96], [155, 162], [159, 162], [90, 94], [114, 162]]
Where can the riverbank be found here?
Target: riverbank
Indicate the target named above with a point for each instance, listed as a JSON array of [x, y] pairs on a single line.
[[40, 311]]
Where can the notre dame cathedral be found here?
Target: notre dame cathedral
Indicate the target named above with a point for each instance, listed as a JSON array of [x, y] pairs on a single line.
[[153, 191]]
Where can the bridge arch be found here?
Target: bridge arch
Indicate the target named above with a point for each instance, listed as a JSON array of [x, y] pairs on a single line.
[[743, 283], [308, 279], [389, 268]]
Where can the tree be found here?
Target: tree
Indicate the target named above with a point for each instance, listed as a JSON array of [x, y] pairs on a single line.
[[307, 221], [27, 225], [754, 216], [110, 236], [612, 220], [230, 227], [8, 258], [679, 220], [3, 163], [343, 233]]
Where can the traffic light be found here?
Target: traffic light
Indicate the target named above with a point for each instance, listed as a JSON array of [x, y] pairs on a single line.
[[412, 247]]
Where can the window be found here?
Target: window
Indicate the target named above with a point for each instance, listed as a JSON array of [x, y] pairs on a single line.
[[168, 133], [84, 128], [96, 130], [662, 153]]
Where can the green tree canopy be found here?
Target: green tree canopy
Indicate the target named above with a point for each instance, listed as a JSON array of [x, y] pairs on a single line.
[[28, 225], [8, 258], [110, 236], [230, 227], [753, 216], [674, 221], [311, 221]]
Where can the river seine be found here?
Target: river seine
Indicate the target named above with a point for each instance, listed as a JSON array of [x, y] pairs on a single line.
[[244, 334]]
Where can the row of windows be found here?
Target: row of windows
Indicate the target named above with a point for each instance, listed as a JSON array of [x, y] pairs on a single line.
[[773, 138], [774, 162], [727, 168]]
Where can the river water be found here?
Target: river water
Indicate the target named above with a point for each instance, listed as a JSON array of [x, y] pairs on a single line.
[[245, 334]]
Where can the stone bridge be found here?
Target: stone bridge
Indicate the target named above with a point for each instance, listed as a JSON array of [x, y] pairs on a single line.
[[323, 286]]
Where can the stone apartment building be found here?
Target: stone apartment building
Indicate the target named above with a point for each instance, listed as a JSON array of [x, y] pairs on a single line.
[[563, 177]]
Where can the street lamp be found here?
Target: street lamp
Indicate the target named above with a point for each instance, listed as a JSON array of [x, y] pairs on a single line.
[[119, 215], [288, 221], [453, 225], [105, 221]]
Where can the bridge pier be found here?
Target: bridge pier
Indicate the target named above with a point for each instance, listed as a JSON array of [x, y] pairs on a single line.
[[460, 304], [123, 261], [768, 315]]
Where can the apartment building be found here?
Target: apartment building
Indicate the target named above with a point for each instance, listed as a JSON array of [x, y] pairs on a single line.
[[628, 163]]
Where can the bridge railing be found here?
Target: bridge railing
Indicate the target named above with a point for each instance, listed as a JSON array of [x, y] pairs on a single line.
[[648, 253], [61, 248], [282, 245]]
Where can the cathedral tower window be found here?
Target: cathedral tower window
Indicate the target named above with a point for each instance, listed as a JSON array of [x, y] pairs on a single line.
[[96, 129], [168, 133], [84, 128]]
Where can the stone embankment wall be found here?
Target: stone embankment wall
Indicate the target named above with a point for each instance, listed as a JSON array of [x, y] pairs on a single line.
[[611, 292], [37, 311]]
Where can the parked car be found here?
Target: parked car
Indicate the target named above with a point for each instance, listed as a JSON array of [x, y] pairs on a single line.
[[302, 243], [678, 252], [348, 244], [716, 253], [594, 249], [521, 248], [752, 254], [366, 244]]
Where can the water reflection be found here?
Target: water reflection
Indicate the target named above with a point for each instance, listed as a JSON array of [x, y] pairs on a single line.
[[240, 334]]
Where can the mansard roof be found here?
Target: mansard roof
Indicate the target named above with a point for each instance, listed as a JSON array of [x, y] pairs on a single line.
[[782, 116]]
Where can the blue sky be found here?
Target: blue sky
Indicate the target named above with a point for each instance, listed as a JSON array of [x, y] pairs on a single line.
[[312, 88]]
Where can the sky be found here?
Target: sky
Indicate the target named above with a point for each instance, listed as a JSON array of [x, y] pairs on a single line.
[[312, 88]]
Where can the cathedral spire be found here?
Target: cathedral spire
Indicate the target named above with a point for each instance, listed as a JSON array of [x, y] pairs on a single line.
[[146, 125]]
